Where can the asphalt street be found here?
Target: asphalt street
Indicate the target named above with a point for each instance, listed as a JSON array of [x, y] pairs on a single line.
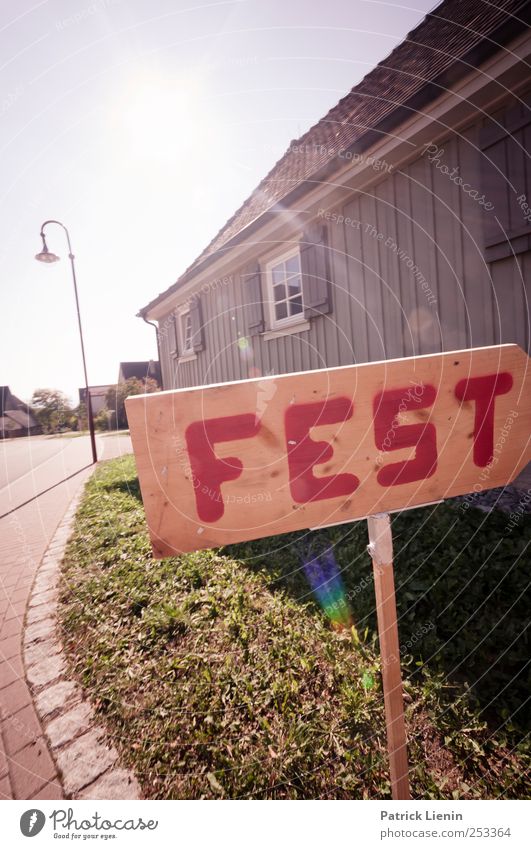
[[32, 465]]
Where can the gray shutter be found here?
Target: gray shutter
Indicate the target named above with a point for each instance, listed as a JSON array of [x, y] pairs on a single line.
[[315, 268], [197, 324], [173, 336], [505, 170], [254, 307]]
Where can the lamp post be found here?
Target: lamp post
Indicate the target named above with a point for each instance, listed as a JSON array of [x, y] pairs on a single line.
[[47, 256]]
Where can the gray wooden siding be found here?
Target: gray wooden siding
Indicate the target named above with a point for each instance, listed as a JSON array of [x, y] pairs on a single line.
[[413, 217]]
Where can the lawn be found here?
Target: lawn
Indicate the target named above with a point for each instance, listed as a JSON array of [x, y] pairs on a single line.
[[217, 675]]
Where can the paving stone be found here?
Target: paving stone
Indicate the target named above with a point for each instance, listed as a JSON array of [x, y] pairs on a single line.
[[9, 647], [10, 580], [39, 651], [115, 784], [43, 598], [57, 697], [58, 552], [40, 631], [15, 696], [70, 725], [11, 628], [84, 760], [10, 670], [51, 790], [37, 614], [46, 671], [3, 762], [46, 581], [5, 788], [49, 561], [20, 728], [18, 595], [30, 769], [17, 609]]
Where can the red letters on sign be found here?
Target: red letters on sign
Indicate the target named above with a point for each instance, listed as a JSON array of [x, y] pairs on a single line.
[[304, 453], [209, 471], [483, 391], [390, 436]]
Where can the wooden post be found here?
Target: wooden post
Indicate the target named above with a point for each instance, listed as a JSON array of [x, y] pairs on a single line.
[[381, 551]]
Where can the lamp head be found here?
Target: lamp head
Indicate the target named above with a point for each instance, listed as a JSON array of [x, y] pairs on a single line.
[[45, 255]]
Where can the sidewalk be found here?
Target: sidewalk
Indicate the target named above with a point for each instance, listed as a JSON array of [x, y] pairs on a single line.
[[27, 771]]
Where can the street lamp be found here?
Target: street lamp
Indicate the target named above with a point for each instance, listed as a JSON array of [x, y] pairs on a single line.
[[47, 256]]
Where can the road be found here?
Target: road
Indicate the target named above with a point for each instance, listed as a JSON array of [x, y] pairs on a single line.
[[30, 466]]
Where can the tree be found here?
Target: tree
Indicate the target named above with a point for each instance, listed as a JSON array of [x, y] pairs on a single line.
[[115, 398], [52, 410]]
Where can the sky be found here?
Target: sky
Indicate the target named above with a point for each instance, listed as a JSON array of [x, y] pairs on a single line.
[[143, 125]]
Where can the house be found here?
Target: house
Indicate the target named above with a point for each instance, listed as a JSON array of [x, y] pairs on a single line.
[[142, 370], [399, 224], [16, 418], [98, 395]]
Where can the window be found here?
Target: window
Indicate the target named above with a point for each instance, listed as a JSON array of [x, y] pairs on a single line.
[[284, 283], [185, 328]]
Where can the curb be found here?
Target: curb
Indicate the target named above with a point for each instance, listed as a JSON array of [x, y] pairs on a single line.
[[89, 768]]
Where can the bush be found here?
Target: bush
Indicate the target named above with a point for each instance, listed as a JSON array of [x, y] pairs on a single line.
[[101, 420]]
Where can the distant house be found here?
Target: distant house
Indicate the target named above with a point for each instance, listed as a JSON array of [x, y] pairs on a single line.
[[399, 224], [98, 395], [140, 370], [16, 418]]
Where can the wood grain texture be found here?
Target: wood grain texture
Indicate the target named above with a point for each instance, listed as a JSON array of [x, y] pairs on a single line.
[[381, 550], [259, 501]]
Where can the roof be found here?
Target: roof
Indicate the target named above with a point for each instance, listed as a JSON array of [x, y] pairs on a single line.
[[97, 389], [14, 413], [10, 402], [22, 418], [455, 37], [100, 389], [7, 424], [4, 398], [141, 370]]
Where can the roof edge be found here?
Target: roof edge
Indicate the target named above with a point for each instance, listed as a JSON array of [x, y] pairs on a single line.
[[484, 49]]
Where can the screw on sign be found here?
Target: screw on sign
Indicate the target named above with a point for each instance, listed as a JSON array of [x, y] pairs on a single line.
[[332, 446]]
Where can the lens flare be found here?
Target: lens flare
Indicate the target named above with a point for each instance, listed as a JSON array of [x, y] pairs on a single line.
[[323, 575]]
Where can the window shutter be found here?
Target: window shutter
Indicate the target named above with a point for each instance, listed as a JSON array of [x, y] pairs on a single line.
[[196, 316], [254, 307], [315, 268], [505, 172], [173, 335]]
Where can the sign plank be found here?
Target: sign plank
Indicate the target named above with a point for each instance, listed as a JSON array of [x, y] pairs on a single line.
[[381, 551], [237, 461]]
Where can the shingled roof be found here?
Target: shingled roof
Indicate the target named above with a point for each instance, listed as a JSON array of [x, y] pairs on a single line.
[[450, 41], [15, 416]]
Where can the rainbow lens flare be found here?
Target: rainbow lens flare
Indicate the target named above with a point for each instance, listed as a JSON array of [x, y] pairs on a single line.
[[323, 575]]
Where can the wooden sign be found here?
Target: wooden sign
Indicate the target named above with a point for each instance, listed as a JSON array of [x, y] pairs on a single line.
[[236, 461]]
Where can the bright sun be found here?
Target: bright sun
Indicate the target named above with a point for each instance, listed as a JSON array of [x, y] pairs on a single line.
[[162, 118]]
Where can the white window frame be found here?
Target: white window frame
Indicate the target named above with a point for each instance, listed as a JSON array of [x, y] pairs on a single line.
[[182, 312], [274, 322]]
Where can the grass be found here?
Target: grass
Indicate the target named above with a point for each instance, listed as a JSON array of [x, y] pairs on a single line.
[[217, 676]]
